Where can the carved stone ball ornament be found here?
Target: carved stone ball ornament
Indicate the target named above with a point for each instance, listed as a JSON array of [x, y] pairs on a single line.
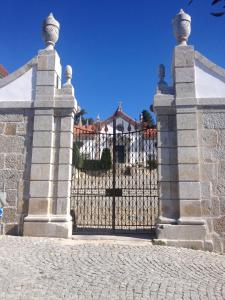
[[68, 74], [182, 27], [161, 73], [50, 31]]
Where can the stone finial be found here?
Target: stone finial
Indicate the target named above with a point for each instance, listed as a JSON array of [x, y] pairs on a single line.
[[182, 27], [162, 84], [106, 128], [119, 106], [50, 31], [80, 121], [68, 74], [161, 73], [98, 119]]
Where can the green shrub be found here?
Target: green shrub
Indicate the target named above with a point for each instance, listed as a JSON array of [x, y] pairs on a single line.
[[77, 158], [106, 161], [152, 164], [81, 162], [91, 165], [127, 171]]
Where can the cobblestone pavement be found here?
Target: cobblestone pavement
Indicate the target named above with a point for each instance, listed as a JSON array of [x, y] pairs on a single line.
[[38, 268]]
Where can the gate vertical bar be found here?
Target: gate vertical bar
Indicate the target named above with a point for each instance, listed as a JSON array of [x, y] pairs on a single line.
[[114, 176]]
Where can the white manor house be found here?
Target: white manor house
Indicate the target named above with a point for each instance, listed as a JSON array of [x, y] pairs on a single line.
[[134, 140]]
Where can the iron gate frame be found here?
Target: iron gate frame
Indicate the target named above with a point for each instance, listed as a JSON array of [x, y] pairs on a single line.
[[115, 192]]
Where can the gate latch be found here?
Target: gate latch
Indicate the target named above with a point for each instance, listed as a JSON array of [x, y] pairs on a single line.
[[113, 192]]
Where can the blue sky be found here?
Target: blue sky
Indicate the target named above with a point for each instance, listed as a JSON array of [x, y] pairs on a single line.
[[114, 46]]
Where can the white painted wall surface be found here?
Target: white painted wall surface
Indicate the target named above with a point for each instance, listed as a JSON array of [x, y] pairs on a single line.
[[20, 89], [119, 120], [208, 84]]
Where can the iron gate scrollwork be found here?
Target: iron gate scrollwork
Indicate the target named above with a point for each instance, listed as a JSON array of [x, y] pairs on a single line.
[[114, 183]]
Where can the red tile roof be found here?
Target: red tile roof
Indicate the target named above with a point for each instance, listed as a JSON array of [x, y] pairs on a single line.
[[84, 129], [3, 71], [117, 114], [150, 132]]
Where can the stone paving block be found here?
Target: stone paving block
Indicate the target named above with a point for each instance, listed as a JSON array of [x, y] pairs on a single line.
[[59, 268]]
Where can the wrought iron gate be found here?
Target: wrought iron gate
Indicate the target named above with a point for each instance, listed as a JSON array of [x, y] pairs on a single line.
[[114, 183]]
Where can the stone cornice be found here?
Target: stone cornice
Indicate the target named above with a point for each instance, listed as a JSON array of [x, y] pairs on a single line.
[[209, 64], [19, 72]]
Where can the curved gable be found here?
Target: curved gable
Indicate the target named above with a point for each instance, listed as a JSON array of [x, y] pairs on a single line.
[[20, 85], [209, 78]]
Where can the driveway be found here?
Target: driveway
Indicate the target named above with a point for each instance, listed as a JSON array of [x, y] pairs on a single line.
[[40, 268]]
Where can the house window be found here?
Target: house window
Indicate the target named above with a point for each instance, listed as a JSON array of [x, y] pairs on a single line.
[[120, 154]]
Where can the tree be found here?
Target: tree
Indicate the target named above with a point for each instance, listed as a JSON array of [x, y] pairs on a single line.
[[89, 121], [84, 120], [79, 115], [214, 2], [147, 118], [77, 158], [106, 161]]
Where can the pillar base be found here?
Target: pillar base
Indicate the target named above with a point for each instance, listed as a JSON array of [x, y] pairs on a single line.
[[164, 220], [181, 232], [48, 226]]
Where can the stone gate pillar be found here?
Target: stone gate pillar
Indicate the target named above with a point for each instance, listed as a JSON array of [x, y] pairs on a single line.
[[181, 219], [51, 165]]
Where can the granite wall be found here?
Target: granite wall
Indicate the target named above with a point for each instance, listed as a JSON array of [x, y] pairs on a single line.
[[16, 127], [196, 217], [212, 173]]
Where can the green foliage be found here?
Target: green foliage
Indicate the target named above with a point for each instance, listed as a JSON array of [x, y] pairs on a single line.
[[80, 162], [148, 119], [77, 116], [152, 164], [127, 171], [79, 144], [213, 2], [77, 158], [120, 127], [84, 120], [92, 165], [106, 161]]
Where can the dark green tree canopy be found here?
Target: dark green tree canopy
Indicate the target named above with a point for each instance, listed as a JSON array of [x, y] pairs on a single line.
[[84, 120], [147, 118], [214, 2]]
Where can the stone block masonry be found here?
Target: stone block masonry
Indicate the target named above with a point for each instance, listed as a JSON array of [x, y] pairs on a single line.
[[196, 174], [36, 137], [212, 172], [16, 128]]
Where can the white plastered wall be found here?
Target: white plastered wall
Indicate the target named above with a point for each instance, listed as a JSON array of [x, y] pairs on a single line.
[[208, 84], [21, 88]]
